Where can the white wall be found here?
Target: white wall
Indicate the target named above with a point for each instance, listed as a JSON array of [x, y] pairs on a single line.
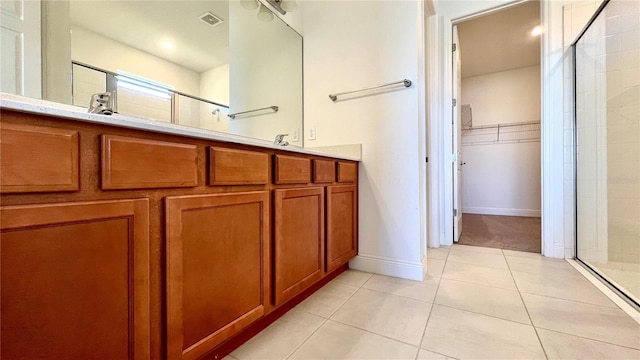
[[351, 45], [93, 49], [503, 97], [503, 178]]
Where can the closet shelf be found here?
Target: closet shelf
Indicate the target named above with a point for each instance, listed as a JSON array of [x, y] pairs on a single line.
[[501, 133]]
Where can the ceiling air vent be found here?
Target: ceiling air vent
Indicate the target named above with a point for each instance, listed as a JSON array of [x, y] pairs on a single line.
[[211, 19]]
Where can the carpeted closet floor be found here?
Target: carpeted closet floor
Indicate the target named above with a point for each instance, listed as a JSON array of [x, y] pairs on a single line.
[[503, 232]]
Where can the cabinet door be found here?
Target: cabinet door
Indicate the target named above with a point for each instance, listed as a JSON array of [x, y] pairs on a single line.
[[342, 225], [217, 268], [298, 241], [75, 280]]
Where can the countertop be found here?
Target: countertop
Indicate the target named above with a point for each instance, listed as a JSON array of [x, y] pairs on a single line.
[[43, 107]]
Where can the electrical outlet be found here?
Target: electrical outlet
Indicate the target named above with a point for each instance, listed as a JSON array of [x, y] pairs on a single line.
[[295, 135], [312, 133]]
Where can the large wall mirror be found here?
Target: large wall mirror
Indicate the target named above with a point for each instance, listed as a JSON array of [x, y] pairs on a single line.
[[228, 66]]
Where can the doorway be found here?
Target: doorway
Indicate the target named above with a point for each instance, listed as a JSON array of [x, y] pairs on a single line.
[[496, 113]]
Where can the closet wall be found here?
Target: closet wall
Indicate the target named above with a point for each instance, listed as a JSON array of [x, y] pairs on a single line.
[[502, 177]]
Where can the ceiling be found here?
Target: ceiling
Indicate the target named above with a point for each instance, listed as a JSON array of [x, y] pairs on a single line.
[[144, 25], [500, 41]]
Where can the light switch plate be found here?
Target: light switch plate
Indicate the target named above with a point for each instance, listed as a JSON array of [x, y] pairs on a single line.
[[312, 133], [296, 135]]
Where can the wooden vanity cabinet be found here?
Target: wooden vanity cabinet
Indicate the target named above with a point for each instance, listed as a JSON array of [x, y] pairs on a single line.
[[121, 243]]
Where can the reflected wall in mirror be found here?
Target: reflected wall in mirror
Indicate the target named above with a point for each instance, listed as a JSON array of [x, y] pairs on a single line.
[[187, 62]]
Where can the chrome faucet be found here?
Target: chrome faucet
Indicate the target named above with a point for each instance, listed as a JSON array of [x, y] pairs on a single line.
[[99, 104], [280, 140]]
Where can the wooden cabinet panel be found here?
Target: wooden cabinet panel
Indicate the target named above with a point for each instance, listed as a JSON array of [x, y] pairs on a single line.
[[75, 281], [217, 268], [298, 240], [292, 170], [133, 163], [237, 167], [324, 171], [342, 225], [347, 172], [38, 159]]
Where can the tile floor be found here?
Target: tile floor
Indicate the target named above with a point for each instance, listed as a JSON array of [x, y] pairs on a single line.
[[476, 303]]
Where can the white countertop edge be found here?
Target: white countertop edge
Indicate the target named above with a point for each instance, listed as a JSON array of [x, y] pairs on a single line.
[[37, 106]]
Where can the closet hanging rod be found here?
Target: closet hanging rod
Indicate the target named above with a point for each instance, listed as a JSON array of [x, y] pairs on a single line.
[[406, 82], [233, 116], [495, 126]]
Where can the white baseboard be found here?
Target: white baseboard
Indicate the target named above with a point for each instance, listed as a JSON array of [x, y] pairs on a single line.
[[443, 239], [412, 270], [501, 211]]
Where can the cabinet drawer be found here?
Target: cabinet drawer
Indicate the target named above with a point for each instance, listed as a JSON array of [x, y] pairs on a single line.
[[133, 163], [292, 170], [38, 159], [347, 172], [237, 167], [324, 171]]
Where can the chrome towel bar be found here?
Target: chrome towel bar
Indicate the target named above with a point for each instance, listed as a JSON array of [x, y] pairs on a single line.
[[274, 108], [406, 82]]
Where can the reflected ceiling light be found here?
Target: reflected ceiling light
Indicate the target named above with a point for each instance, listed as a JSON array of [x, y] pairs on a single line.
[[537, 31], [168, 45], [249, 4], [289, 5], [265, 14]]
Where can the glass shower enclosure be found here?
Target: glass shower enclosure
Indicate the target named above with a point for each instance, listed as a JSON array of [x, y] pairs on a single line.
[[606, 59]]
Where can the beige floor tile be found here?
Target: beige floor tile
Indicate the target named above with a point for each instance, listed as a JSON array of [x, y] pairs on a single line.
[[428, 355], [438, 253], [524, 254], [482, 299], [353, 278], [586, 320], [564, 284], [456, 248], [229, 357], [327, 300], [281, 338], [479, 274], [418, 290], [339, 341], [389, 315], [537, 265], [466, 335], [478, 258], [563, 346], [435, 267]]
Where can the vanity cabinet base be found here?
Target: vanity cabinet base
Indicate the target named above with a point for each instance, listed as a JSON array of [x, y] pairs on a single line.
[[176, 247]]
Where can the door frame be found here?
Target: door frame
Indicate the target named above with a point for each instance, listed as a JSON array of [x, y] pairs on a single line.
[[547, 145]]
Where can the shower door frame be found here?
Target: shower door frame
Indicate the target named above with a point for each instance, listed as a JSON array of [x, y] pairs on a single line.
[[586, 265]]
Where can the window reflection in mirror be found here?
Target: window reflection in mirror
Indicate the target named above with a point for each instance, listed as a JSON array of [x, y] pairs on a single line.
[[187, 62]]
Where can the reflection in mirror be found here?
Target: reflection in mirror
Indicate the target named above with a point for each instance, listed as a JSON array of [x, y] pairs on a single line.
[[186, 62]]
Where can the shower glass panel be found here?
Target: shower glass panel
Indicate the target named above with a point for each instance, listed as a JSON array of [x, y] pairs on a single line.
[[607, 107]]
